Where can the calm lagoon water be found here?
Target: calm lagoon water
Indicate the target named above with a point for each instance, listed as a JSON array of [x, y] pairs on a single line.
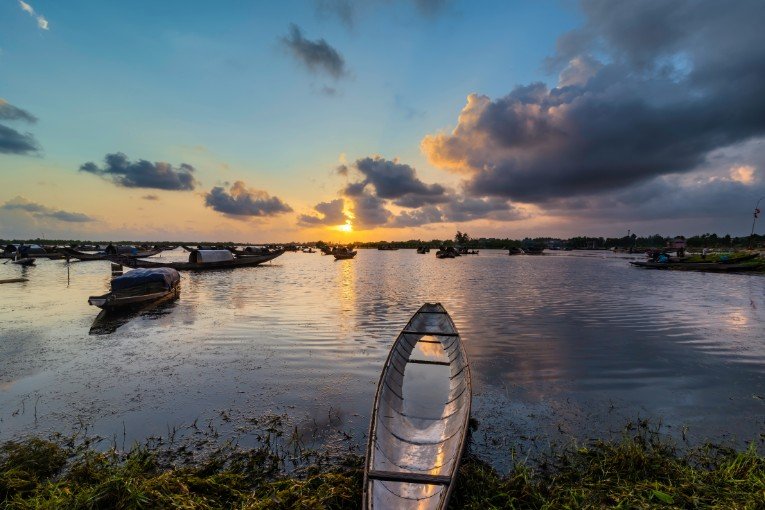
[[562, 346]]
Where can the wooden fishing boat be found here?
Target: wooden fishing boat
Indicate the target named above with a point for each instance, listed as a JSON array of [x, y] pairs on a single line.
[[423, 249], [71, 253], [252, 251], [201, 260], [446, 254], [139, 287], [344, 255], [714, 267], [420, 416]]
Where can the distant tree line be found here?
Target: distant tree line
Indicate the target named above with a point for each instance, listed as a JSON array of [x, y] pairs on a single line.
[[463, 239]]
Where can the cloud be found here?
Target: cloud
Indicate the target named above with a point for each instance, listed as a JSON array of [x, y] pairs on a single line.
[[316, 56], [369, 211], [674, 82], [143, 173], [41, 21], [150, 197], [12, 141], [418, 217], [430, 8], [40, 211], [390, 182], [331, 214], [346, 11], [243, 201], [409, 111], [10, 112], [396, 181], [342, 9]]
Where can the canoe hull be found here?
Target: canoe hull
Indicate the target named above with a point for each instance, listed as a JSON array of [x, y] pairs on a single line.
[[713, 267], [191, 266], [416, 439], [71, 253], [113, 302]]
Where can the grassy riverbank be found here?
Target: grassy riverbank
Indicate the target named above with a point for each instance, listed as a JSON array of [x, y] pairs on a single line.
[[640, 471]]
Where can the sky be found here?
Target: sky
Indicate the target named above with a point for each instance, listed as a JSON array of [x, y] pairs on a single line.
[[370, 120]]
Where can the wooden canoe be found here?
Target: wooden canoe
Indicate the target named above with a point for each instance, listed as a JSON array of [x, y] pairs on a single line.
[[714, 267], [115, 301], [71, 253], [138, 288], [193, 266], [344, 255], [420, 417]]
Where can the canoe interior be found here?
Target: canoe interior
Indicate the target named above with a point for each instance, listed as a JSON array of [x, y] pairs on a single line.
[[420, 418]]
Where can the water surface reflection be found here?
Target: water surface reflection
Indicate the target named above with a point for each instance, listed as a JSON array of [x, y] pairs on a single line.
[[562, 346]]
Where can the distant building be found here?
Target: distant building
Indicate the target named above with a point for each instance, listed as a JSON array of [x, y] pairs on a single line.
[[678, 243]]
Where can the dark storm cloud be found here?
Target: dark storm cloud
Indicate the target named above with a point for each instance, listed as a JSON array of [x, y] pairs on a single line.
[[43, 212], [317, 56], [12, 141], [331, 214], [677, 80], [243, 201], [143, 173], [396, 181]]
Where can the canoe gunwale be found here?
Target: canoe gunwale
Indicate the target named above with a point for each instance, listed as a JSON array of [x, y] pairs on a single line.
[[463, 371]]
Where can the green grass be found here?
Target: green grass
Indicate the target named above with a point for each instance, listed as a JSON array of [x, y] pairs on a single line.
[[643, 470]]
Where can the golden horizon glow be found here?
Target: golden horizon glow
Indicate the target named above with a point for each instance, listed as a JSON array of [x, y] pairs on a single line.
[[348, 227]]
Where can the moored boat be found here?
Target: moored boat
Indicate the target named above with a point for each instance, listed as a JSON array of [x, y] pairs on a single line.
[[447, 252], [139, 287], [201, 260], [344, 253], [713, 267], [420, 416], [71, 253]]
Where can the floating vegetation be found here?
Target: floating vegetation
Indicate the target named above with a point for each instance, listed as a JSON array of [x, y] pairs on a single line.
[[644, 469]]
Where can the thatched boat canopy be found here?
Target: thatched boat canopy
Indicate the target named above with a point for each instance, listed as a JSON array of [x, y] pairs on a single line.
[[207, 256]]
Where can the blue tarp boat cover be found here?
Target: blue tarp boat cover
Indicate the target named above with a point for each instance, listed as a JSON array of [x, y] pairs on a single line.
[[164, 276]]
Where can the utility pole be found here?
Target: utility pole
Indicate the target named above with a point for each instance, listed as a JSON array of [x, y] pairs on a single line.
[[754, 220]]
